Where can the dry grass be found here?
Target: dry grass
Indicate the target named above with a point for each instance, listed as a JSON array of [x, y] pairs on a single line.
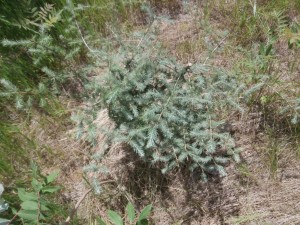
[[265, 199], [253, 197], [57, 149], [248, 196], [251, 194], [182, 38]]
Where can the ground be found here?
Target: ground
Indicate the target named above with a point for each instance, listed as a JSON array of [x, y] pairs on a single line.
[[250, 194]]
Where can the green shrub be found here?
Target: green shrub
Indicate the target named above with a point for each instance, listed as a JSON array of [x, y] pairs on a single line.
[[167, 112]]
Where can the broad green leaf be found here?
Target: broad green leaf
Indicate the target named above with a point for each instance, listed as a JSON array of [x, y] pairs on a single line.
[[26, 196], [52, 177], [37, 186], [115, 217], [29, 215], [130, 212], [14, 211], [145, 212], [50, 189], [32, 205]]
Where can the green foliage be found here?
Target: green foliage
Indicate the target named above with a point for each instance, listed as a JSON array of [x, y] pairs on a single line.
[[268, 88], [167, 112], [34, 38], [24, 100], [14, 147], [51, 54], [116, 219], [130, 212], [35, 208], [95, 15], [38, 48], [253, 21], [23, 84], [273, 154]]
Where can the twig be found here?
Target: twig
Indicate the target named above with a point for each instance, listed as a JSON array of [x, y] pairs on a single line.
[[77, 205], [84, 42], [81, 35], [68, 220], [15, 216], [254, 6], [219, 45]]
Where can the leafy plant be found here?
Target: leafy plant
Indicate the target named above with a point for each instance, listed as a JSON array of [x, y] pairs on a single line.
[[167, 112], [24, 99], [132, 218], [35, 208], [52, 48]]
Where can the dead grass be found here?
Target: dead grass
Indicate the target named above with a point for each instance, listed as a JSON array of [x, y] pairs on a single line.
[[269, 200], [182, 38], [251, 194], [55, 148], [251, 197], [181, 198]]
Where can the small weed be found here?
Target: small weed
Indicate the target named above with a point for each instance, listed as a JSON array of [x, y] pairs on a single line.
[[35, 205], [131, 218], [273, 155], [273, 151]]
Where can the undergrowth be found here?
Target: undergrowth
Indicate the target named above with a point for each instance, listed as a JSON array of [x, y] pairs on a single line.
[[266, 32], [168, 113], [34, 205]]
